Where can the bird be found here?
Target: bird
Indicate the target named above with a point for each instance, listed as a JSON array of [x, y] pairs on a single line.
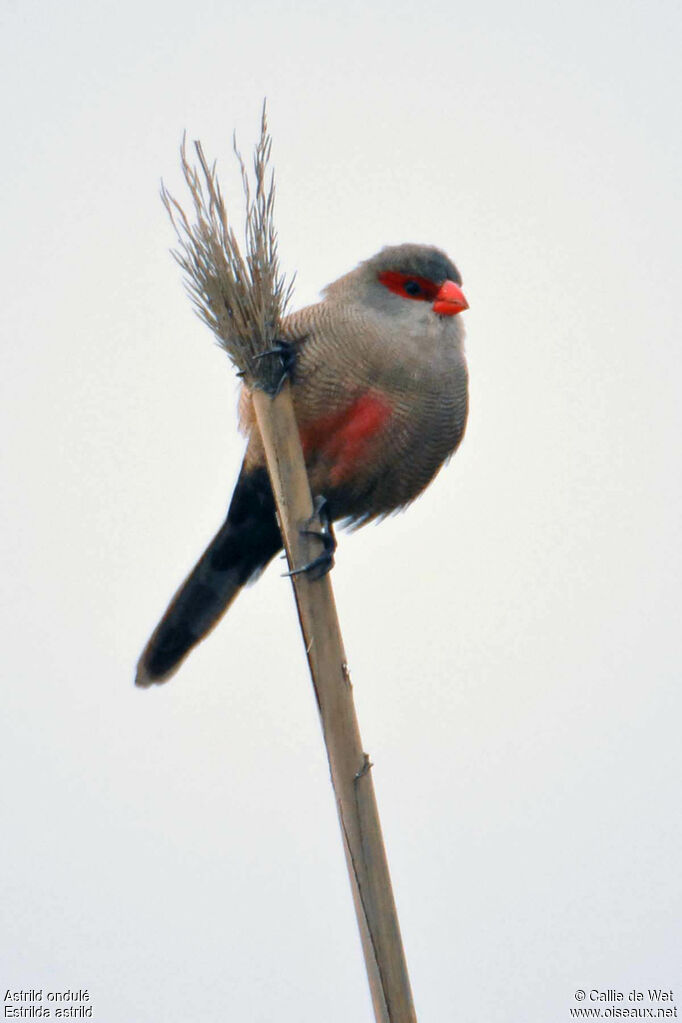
[[379, 384]]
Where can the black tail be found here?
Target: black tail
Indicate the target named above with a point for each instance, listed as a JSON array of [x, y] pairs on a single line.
[[244, 544]]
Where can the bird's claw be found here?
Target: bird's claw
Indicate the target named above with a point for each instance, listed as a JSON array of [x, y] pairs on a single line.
[[324, 562], [287, 355]]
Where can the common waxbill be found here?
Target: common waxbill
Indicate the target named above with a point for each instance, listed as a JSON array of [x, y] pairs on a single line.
[[380, 395]]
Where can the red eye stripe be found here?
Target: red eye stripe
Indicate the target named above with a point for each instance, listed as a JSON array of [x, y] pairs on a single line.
[[409, 285]]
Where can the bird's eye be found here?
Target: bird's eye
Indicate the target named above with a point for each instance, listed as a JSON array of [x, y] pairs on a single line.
[[408, 285]]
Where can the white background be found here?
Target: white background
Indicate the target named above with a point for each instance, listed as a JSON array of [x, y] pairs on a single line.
[[514, 638]]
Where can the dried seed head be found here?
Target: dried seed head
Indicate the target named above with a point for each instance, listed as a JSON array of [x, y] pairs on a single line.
[[241, 298]]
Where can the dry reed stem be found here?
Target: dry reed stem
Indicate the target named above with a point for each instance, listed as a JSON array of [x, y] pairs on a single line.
[[242, 300]]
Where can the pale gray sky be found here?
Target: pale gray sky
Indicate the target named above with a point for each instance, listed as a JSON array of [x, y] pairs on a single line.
[[514, 638]]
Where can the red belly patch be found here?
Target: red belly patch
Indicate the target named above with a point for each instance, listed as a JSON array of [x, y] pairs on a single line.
[[343, 437]]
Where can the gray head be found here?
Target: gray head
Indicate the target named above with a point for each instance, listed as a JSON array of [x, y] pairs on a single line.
[[404, 280], [421, 260]]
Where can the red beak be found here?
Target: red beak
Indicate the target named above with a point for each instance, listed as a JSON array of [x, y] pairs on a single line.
[[450, 300]]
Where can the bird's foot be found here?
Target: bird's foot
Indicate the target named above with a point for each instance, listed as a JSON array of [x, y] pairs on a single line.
[[324, 562], [287, 356]]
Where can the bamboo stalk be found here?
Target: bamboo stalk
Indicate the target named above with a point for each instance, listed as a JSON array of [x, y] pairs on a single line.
[[242, 299]]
